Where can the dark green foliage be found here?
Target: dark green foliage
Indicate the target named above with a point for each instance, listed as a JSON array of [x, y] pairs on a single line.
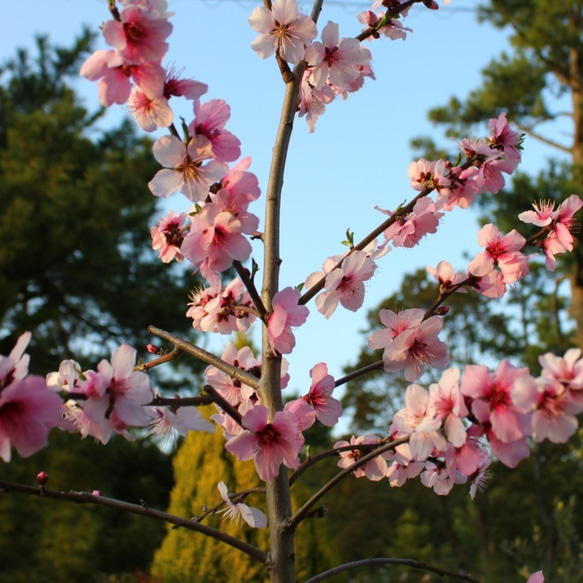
[[44, 541], [76, 264]]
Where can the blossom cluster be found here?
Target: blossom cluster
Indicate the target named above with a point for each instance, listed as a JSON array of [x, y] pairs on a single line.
[[270, 443], [462, 422], [446, 434]]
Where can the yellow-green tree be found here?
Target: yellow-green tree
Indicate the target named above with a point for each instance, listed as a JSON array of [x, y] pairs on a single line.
[[184, 556]]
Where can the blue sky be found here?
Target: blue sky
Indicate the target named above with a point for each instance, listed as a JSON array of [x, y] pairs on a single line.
[[356, 159]]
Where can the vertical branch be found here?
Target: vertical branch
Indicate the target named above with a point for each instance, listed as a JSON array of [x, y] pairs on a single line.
[[281, 563]]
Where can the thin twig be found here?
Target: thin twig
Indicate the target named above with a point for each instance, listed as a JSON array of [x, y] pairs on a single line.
[[311, 461], [234, 498], [177, 402], [249, 284], [162, 359], [301, 513], [224, 404], [357, 373], [143, 509], [388, 561], [201, 354]]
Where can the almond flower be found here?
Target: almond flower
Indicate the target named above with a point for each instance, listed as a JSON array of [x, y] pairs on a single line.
[[270, 444], [236, 510], [286, 313], [282, 28], [184, 168]]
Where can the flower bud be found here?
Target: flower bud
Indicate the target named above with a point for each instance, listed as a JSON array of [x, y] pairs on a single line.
[[153, 349], [42, 478]]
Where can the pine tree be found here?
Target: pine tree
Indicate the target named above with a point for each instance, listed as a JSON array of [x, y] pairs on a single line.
[[540, 86]]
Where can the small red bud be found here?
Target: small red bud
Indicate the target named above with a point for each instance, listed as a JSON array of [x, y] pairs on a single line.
[[42, 478], [153, 349], [442, 311]]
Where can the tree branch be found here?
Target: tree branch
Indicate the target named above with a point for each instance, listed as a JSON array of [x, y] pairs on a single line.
[[388, 561], [529, 131], [357, 373], [201, 354], [249, 284], [143, 509], [303, 511]]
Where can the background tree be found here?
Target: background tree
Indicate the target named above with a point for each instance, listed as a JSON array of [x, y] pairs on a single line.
[[540, 86], [467, 534], [42, 542], [77, 269], [76, 266], [200, 463]]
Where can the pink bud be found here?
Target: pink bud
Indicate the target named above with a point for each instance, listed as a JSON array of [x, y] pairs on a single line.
[[97, 493], [42, 478], [153, 349]]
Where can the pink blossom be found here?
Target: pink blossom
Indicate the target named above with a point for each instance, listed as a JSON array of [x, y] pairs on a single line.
[[446, 276], [15, 365], [286, 312], [492, 398], [501, 251], [184, 169], [393, 28], [303, 414], [335, 60], [505, 139], [567, 370], [402, 467], [237, 510], [28, 411], [149, 113], [210, 120], [344, 284], [116, 395], [282, 28], [229, 388], [269, 444], [415, 349], [395, 323], [433, 175], [438, 477], [463, 189], [490, 164], [221, 310], [313, 101], [560, 225], [408, 230], [113, 76], [490, 285], [168, 423], [168, 235], [537, 577], [137, 36], [217, 238], [554, 413], [446, 404], [328, 409], [176, 86], [424, 431], [374, 469], [242, 186]]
